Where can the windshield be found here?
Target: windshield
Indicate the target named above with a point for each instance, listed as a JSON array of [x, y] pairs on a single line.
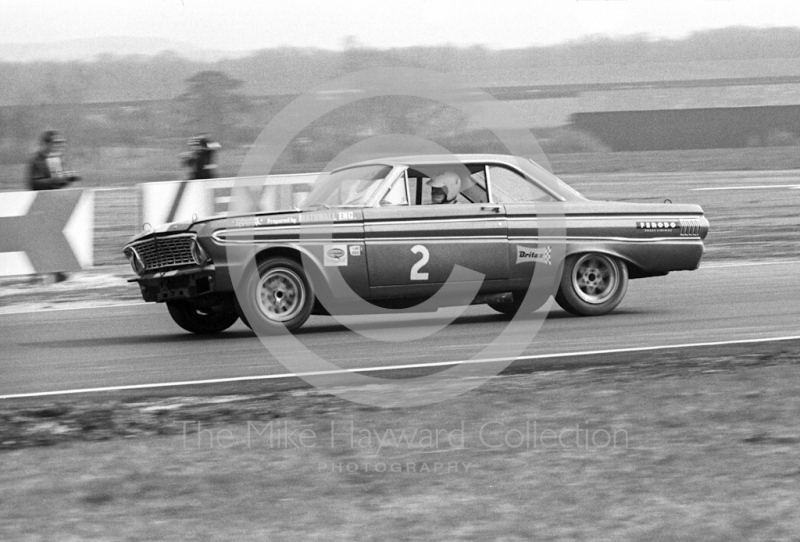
[[351, 187]]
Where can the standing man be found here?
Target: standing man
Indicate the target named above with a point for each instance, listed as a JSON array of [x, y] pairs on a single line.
[[46, 169], [201, 159], [46, 172], [206, 157]]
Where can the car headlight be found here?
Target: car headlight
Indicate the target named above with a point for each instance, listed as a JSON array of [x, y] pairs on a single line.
[[136, 261], [200, 256]]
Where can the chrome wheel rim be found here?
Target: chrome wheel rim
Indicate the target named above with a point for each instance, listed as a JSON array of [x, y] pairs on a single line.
[[595, 278], [280, 294]]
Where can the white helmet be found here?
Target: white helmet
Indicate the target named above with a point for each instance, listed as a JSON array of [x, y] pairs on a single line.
[[449, 181]]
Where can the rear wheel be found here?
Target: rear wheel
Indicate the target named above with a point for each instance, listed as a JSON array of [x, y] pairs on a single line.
[[592, 284], [277, 294], [201, 320]]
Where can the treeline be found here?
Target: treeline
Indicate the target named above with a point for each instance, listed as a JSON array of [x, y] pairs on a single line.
[[156, 102], [293, 70]]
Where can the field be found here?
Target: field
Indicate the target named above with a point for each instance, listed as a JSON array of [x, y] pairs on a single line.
[[654, 447]]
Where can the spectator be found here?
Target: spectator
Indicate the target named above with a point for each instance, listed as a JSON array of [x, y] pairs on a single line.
[[46, 168], [201, 158], [46, 172]]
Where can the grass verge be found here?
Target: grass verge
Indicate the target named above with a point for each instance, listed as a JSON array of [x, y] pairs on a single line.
[[670, 446]]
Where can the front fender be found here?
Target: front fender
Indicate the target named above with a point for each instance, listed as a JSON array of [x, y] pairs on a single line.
[[312, 257]]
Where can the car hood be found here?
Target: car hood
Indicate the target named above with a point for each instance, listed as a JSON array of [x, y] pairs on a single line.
[[170, 227], [276, 218]]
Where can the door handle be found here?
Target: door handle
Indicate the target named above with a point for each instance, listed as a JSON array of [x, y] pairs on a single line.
[[489, 207]]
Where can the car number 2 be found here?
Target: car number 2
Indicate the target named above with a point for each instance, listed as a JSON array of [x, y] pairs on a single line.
[[415, 274]]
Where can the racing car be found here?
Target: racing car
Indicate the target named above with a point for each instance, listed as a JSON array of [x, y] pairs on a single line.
[[414, 232]]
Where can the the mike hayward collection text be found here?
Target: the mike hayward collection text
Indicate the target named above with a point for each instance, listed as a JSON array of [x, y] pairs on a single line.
[[488, 435]]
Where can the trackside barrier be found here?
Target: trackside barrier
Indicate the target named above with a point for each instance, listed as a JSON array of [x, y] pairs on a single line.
[[46, 231], [179, 201]]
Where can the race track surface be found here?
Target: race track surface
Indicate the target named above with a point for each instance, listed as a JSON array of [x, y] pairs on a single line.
[[742, 291], [139, 344]]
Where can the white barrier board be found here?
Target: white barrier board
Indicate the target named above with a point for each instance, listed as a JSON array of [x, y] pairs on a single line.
[[180, 201]]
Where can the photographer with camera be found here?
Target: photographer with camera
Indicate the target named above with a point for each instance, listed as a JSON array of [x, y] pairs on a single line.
[[46, 169], [201, 158]]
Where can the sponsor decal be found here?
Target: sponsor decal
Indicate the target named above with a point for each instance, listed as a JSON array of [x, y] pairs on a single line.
[[663, 226], [355, 250], [328, 216], [255, 221], [335, 255], [290, 220], [247, 222], [527, 254], [319, 217]]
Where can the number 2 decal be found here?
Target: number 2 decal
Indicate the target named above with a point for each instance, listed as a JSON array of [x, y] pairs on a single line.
[[415, 274]]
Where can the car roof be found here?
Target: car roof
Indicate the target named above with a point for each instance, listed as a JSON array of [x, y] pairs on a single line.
[[557, 186], [439, 159]]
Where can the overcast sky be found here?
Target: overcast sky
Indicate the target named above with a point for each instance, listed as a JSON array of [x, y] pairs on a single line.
[[256, 24]]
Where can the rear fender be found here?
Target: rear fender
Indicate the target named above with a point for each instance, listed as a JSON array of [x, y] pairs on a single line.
[[634, 269]]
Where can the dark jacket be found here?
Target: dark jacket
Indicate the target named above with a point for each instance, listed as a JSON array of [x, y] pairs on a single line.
[[40, 176], [203, 167]]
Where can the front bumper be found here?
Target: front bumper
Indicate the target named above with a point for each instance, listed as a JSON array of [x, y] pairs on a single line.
[[177, 284]]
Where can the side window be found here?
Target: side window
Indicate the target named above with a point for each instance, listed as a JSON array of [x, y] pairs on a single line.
[[416, 188], [426, 191], [509, 187], [473, 188], [396, 194], [464, 196]]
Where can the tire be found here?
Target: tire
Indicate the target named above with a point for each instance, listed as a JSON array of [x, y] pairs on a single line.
[[592, 284], [277, 295], [240, 312], [511, 309], [198, 320]]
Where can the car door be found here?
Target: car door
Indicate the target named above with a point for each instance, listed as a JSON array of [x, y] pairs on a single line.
[[524, 201], [413, 248]]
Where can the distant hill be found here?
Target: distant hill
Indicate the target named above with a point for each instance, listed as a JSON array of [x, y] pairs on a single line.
[[91, 48]]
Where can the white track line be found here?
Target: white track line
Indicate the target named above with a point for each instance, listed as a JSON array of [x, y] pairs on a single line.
[[26, 307], [762, 187], [397, 367], [747, 264]]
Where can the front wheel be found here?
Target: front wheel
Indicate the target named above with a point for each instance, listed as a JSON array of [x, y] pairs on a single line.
[[592, 284], [201, 320], [277, 294]]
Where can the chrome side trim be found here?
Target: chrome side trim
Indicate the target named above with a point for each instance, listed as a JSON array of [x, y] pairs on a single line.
[[569, 239], [635, 218]]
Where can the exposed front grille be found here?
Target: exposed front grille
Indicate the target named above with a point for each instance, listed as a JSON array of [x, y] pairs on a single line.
[[165, 252], [690, 227]]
